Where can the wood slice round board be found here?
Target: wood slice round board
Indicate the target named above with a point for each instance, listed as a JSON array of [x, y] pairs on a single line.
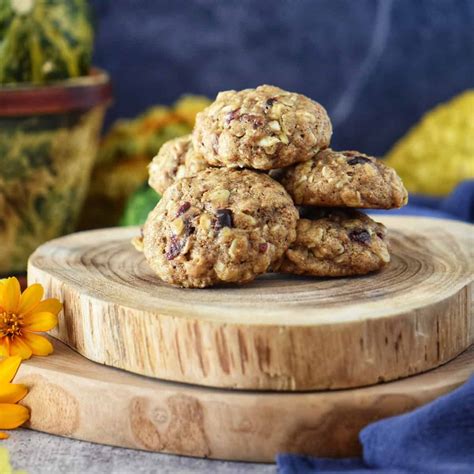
[[74, 397], [278, 333]]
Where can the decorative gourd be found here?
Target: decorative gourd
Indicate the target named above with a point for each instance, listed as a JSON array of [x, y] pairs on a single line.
[[438, 152], [44, 40], [121, 164]]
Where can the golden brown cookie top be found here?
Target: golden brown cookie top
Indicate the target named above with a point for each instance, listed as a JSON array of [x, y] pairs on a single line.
[[344, 179], [220, 226], [176, 159], [263, 128]]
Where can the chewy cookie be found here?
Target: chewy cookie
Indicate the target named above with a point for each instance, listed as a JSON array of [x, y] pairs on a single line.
[[344, 179], [336, 243], [222, 225], [176, 159], [263, 128]]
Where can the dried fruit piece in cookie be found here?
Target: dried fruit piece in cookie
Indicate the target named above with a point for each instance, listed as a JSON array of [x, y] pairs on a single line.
[[222, 225], [336, 242], [346, 179], [176, 159], [263, 128]]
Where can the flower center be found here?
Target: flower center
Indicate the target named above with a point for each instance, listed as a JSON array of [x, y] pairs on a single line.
[[10, 324]]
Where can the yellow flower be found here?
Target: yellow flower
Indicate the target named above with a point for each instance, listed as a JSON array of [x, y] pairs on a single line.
[[21, 316], [11, 414]]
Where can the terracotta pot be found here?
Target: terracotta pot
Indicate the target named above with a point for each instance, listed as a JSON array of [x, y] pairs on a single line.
[[48, 141]]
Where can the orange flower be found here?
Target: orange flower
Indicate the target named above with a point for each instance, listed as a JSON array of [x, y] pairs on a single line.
[[21, 316], [11, 414]]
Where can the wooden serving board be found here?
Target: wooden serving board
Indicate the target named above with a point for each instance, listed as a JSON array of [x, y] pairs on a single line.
[[280, 332], [71, 396]]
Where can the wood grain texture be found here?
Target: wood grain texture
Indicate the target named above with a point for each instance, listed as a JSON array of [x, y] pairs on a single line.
[[71, 396], [280, 332]]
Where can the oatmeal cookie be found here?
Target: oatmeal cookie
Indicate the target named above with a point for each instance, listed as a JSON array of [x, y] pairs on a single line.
[[345, 179], [336, 242], [176, 159], [221, 225], [263, 128]]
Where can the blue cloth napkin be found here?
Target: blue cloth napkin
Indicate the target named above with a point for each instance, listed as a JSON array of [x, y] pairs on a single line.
[[436, 438]]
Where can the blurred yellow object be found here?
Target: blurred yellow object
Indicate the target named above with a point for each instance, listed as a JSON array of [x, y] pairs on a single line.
[[5, 466], [121, 166], [188, 106], [438, 152], [142, 136]]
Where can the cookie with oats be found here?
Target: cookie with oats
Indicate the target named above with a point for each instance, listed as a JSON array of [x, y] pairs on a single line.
[[344, 179], [220, 226], [263, 128], [176, 159], [336, 242]]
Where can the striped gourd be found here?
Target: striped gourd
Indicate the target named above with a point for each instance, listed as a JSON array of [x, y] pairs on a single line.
[[44, 40]]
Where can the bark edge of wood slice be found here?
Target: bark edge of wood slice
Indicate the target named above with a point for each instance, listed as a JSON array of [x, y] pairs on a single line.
[[277, 333], [73, 397]]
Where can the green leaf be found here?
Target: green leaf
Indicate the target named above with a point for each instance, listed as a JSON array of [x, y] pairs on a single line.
[[139, 205]]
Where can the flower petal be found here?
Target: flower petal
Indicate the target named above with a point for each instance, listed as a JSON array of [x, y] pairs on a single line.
[[4, 347], [10, 294], [18, 347], [39, 345], [40, 321], [12, 393], [12, 416], [9, 368], [4, 435], [51, 305], [30, 298]]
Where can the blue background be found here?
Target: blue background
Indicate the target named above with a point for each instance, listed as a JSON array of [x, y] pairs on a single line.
[[376, 65]]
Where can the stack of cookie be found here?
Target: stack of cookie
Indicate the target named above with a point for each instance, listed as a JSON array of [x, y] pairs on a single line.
[[230, 190]]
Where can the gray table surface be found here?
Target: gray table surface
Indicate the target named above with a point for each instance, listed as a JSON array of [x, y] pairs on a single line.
[[40, 453]]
